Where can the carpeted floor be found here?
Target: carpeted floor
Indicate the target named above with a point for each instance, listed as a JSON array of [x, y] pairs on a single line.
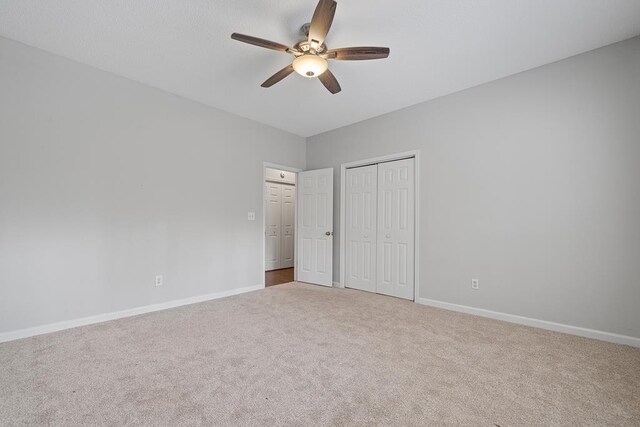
[[301, 354]]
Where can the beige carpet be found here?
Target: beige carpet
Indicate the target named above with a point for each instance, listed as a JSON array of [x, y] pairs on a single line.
[[299, 354]]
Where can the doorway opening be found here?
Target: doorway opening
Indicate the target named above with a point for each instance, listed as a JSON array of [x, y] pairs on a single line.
[[279, 208], [310, 236]]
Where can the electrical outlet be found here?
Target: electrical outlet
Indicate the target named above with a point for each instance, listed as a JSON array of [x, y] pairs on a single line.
[[158, 280], [475, 284], [251, 216]]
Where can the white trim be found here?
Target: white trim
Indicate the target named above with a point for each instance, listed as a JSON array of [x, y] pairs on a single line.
[[337, 285], [415, 154], [536, 323], [381, 159], [263, 265], [99, 318]]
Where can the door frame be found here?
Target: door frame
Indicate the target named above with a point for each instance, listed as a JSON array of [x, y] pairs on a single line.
[[415, 154], [270, 165]]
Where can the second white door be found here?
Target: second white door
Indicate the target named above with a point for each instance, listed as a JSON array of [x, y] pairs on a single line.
[[315, 227]]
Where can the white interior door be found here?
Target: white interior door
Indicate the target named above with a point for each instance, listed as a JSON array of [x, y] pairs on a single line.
[[361, 227], [273, 226], [395, 252], [287, 242], [315, 227]]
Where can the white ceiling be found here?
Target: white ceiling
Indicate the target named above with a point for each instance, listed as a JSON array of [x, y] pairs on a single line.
[[437, 47]]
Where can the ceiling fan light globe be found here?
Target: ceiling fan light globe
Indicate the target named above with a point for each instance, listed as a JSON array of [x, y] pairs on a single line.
[[310, 65]]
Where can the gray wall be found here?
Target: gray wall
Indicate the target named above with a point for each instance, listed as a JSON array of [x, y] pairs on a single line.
[[105, 183], [530, 183]]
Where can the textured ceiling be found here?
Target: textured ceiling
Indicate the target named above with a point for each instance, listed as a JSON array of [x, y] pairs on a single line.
[[437, 47]]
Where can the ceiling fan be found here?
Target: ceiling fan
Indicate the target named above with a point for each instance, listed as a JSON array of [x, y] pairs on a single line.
[[311, 55]]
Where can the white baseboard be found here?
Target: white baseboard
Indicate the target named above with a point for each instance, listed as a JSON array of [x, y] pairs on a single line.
[[336, 285], [67, 324], [536, 323]]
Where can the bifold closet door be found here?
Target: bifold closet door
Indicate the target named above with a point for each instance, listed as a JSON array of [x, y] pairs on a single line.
[[396, 211], [287, 241], [361, 227], [273, 222]]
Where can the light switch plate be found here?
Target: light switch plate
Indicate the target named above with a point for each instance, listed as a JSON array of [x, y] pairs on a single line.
[[251, 216]]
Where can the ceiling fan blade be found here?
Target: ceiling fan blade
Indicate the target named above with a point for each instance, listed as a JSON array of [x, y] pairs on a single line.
[[321, 22], [329, 81], [278, 76], [260, 42], [357, 53]]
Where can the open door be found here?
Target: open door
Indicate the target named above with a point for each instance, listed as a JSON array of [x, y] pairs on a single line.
[[315, 227]]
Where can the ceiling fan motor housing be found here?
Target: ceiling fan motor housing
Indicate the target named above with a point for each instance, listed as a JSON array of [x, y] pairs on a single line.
[[304, 46]]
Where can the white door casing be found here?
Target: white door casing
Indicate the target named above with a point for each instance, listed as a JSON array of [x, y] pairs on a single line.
[[361, 227], [315, 227], [396, 212], [272, 226]]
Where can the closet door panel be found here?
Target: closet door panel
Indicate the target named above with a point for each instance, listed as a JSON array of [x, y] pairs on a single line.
[[361, 227], [288, 218], [395, 254], [273, 226]]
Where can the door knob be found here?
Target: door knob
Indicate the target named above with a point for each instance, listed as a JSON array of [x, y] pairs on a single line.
[[329, 233], [388, 236], [366, 236]]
